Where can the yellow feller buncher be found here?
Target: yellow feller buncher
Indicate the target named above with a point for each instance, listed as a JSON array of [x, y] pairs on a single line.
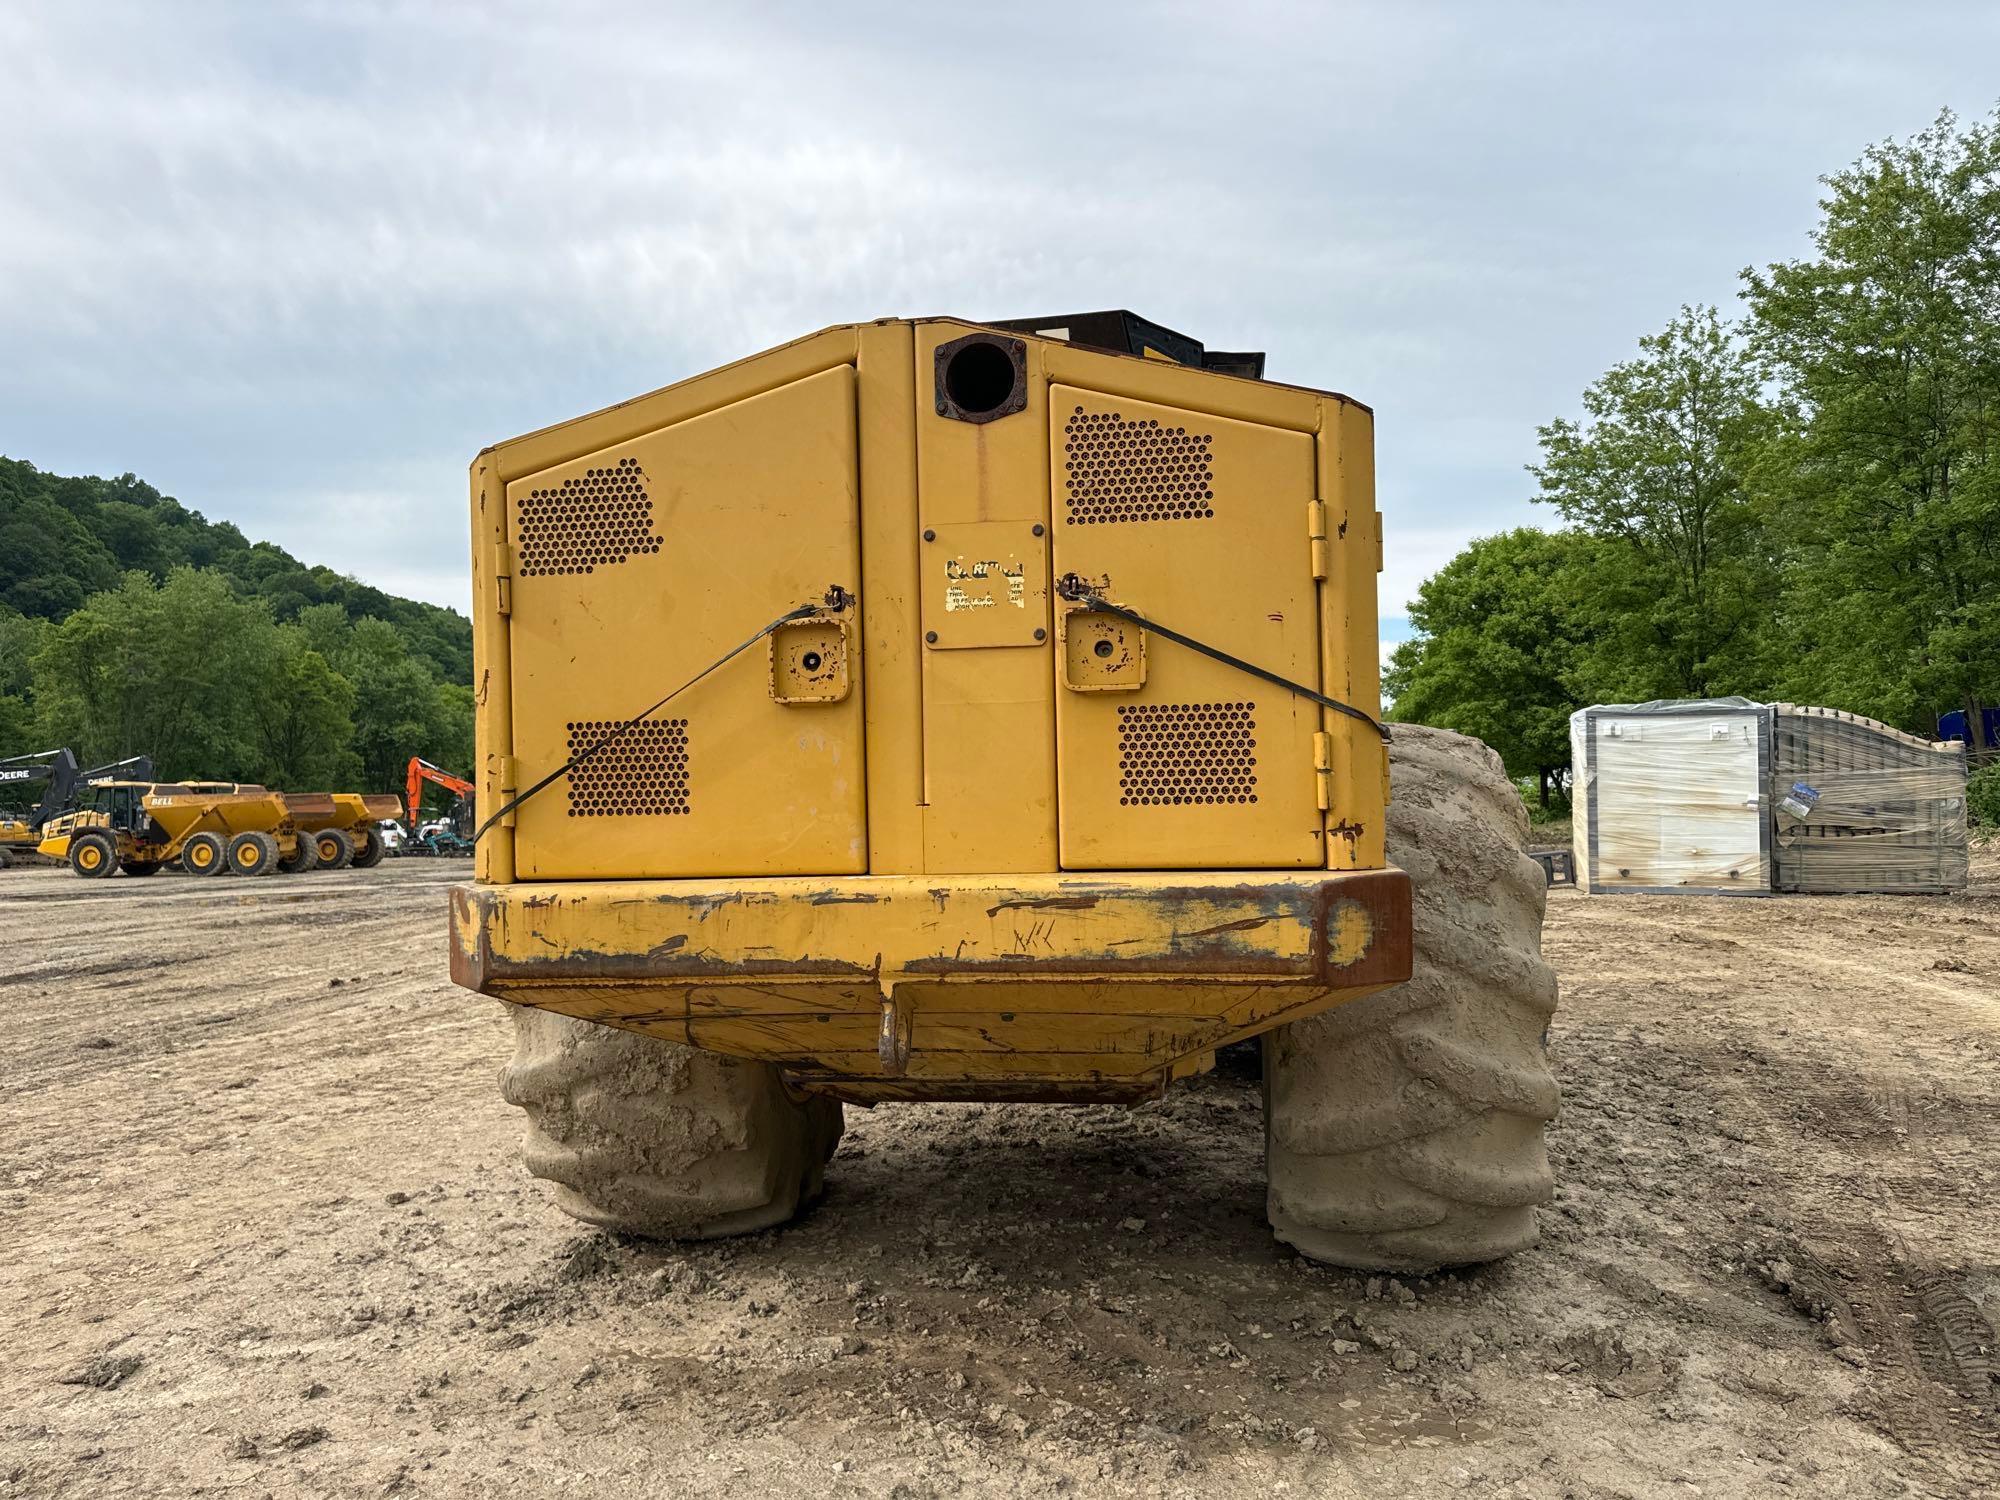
[[139, 826], [927, 710]]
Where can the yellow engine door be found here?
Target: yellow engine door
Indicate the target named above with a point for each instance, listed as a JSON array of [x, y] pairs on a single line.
[[639, 565], [1166, 758]]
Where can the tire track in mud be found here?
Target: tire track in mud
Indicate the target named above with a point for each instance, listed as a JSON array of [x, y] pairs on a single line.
[[1928, 1348]]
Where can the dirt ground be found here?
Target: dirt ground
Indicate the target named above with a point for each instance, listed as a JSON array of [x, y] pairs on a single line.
[[265, 1234]]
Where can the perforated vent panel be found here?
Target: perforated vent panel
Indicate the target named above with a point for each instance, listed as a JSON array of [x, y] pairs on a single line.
[[589, 521], [1140, 470], [1172, 754], [642, 774]]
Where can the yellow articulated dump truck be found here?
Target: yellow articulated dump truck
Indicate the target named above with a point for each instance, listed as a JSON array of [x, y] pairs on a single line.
[[934, 711], [209, 827], [337, 828]]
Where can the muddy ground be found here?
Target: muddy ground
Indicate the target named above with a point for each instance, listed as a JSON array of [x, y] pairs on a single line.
[[264, 1234]]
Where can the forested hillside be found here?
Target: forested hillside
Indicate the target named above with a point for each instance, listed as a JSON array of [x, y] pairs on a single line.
[[1801, 504], [131, 624]]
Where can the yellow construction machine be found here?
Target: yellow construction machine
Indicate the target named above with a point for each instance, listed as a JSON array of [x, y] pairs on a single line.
[[928, 710], [140, 827], [337, 828]]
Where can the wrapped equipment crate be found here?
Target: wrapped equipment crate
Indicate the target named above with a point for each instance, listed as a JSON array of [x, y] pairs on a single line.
[[1670, 796], [1858, 806]]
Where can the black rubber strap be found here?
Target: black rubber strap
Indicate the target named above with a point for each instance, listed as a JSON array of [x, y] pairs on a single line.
[[837, 599], [1073, 588]]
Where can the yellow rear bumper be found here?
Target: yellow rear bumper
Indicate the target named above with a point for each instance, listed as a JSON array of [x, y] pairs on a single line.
[[1012, 986]]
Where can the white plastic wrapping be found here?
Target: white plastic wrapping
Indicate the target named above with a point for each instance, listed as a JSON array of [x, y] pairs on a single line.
[[1859, 806], [1726, 795], [1672, 796]]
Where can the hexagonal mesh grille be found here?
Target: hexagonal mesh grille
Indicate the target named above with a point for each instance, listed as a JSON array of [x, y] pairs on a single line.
[[1171, 754], [589, 521], [1135, 471], [643, 774]]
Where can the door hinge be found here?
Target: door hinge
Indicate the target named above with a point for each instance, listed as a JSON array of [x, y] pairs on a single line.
[[1323, 769], [503, 578], [1316, 532], [510, 782]]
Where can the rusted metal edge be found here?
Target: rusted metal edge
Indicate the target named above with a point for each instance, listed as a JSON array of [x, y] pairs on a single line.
[[1378, 900]]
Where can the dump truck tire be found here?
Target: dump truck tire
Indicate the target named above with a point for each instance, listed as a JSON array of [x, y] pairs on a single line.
[[139, 866], [369, 855], [651, 1138], [205, 854], [303, 858], [253, 854], [93, 856], [335, 852], [1404, 1130]]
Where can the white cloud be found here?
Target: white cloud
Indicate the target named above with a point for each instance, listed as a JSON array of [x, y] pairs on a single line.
[[296, 265]]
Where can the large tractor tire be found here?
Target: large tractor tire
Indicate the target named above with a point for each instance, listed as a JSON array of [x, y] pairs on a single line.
[[1404, 1130], [651, 1138], [335, 852], [93, 856], [139, 866], [205, 854], [303, 858], [253, 854], [369, 855]]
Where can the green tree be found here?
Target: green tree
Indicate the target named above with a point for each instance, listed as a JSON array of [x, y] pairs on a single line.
[[1657, 471], [20, 637], [165, 670], [1887, 342], [302, 717], [1502, 630], [401, 708]]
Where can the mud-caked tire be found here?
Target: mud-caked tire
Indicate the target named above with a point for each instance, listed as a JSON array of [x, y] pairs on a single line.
[[1404, 1130], [651, 1138]]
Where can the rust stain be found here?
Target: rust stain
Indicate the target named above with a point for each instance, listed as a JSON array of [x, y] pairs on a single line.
[[1243, 925], [1046, 903]]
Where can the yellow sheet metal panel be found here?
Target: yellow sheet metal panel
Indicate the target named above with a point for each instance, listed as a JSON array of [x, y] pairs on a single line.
[[638, 566], [989, 731], [493, 671], [890, 633], [1358, 779], [1200, 522], [711, 390]]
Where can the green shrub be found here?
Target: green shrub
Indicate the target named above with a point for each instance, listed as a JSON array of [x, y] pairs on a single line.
[[1982, 795]]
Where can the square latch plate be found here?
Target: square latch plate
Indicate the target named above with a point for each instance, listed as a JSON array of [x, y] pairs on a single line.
[[809, 662], [985, 583], [1102, 653]]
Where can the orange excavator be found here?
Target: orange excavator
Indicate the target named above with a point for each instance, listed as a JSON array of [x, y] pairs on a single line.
[[451, 834]]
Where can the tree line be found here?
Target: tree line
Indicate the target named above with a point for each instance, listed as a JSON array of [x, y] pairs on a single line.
[[132, 625], [1801, 503]]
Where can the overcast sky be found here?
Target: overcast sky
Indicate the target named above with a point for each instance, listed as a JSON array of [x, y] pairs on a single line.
[[296, 264]]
